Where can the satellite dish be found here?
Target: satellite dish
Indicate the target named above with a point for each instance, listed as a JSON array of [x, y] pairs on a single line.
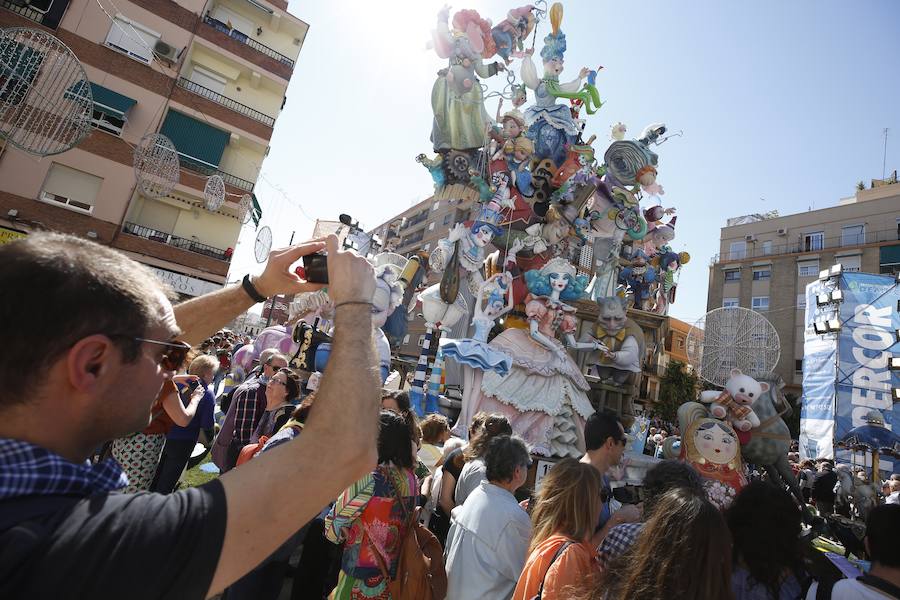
[[46, 102], [246, 206], [733, 338], [263, 244], [156, 166], [214, 193]]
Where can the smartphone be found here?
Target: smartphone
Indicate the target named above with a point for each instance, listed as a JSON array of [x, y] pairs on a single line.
[[192, 385], [316, 268]]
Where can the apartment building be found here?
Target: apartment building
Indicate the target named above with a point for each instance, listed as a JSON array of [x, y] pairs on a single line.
[[417, 229], [209, 74], [766, 261]]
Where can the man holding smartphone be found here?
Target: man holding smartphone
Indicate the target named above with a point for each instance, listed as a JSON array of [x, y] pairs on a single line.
[[102, 332]]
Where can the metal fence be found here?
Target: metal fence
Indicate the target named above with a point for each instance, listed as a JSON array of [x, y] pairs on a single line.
[[205, 168], [225, 101], [173, 240], [809, 244], [246, 39]]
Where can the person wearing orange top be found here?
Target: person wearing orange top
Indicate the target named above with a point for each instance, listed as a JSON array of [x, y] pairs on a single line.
[[563, 518]]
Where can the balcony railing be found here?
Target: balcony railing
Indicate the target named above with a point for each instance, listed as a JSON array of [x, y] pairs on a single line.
[[207, 169], [49, 18], [246, 39], [178, 242], [756, 249], [225, 101], [415, 220]]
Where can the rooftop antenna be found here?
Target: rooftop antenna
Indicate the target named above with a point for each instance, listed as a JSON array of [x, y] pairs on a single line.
[[884, 155]]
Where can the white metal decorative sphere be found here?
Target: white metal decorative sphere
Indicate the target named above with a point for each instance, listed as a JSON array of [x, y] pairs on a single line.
[[214, 193], [156, 165]]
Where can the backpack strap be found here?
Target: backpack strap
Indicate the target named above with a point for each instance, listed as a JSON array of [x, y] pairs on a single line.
[[553, 560], [880, 584], [824, 589]]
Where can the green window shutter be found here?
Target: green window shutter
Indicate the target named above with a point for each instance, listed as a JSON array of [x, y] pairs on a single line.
[[105, 100], [890, 255], [256, 211], [195, 139]]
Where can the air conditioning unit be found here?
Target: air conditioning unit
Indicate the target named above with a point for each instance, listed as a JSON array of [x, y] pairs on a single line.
[[750, 238], [166, 52], [782, 232]]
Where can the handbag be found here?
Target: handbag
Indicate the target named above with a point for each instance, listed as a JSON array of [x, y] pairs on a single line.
[[420, 565]]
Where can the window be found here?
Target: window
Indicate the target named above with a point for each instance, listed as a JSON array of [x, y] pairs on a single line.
[[730, 303], [75, 190], [109, 123], [767, 247], [737, 250], [426, 247], [760, 303], [801, 300], [405, 339], [808, 268], [762, 274], [447, 218], [132, 38], [798, 365], [436, 205], [208, 79], [813, 241], [850, 263], [431, 226], [420, 341], [681, 343], [853, 235], [733, 275]]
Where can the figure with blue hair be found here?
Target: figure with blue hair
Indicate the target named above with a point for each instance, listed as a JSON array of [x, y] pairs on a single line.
[[544, 395], [550, 125]]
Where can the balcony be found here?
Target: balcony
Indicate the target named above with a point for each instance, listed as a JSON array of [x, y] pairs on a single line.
[[419, 218], [812, 245], [204, 168], [48, 14], [248, 41], [225, 101], [177, 242]]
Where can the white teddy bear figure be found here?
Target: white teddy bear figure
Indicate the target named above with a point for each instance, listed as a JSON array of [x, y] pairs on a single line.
[[741, 391]]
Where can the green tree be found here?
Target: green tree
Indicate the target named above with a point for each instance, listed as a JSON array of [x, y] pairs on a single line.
[[676, 387]]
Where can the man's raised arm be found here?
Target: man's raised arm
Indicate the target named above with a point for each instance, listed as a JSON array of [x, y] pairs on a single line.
[[338, 446], [201, 317]]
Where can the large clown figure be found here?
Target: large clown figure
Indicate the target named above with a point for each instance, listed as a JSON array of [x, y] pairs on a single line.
[[544, 395]]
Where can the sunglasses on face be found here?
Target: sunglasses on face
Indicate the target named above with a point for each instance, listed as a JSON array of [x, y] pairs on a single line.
[[174, 357]]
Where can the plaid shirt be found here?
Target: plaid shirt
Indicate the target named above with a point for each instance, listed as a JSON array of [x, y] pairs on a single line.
[[26, 470], [250, 404], [617, 541]]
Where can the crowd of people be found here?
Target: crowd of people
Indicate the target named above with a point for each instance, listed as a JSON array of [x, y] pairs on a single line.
[[329, 484]]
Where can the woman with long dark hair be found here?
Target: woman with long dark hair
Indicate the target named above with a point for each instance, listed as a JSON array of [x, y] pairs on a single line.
[[475, 471], [768, 559], [683, 551], [370, 517]]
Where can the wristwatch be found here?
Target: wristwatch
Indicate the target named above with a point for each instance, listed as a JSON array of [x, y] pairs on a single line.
[[251, 289]]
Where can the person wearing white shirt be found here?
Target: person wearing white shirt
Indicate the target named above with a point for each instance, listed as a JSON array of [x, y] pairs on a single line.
[[894, 496], [489, 534], [882, 541]]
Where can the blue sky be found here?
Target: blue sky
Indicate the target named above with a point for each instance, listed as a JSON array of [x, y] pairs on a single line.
[[781, 101]]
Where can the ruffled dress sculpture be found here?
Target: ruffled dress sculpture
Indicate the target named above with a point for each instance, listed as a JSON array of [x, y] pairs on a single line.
[[544, 395], [475, 352]]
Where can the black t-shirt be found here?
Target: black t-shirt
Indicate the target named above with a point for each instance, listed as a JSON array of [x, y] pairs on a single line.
[[454, 463], [136, 546], [823, 486]]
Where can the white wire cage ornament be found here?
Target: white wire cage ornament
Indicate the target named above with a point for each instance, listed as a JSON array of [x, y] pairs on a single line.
[[46, 102], [214, 193], [246, 205], [156, 165], [733, 338]]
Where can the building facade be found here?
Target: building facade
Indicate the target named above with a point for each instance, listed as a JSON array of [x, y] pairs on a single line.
[[210, 75], [417, 229], [766, 262]]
